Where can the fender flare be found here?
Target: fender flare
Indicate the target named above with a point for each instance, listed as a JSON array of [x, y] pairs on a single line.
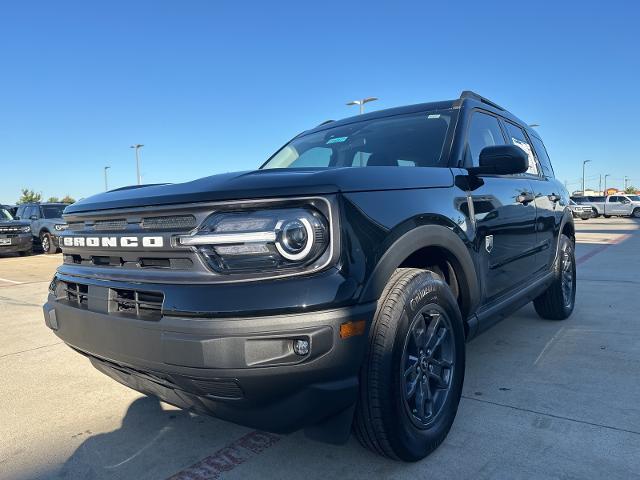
[[567, 217], [416, 239]]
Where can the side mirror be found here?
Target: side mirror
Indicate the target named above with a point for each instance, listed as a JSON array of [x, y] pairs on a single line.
[[501, 160]]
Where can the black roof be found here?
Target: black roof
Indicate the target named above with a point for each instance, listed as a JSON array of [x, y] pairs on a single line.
[[467, 98]]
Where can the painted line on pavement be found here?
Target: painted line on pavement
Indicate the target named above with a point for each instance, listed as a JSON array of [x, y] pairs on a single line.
[[229, 457], [9, 281]]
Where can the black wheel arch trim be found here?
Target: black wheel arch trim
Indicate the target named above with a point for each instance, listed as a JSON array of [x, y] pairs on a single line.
[[418, 238]]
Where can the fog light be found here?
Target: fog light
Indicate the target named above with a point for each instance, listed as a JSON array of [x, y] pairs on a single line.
[[301, 347]]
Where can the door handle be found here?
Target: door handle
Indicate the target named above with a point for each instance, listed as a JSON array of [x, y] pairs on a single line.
[[555, 198], [525, 197]]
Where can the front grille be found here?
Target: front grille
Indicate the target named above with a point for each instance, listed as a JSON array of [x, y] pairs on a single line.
[[144, 305], [174, 222], [177, 223], [110, 225], [10, 229]]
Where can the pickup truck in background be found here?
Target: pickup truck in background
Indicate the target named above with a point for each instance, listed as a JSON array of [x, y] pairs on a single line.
[[622, 205]]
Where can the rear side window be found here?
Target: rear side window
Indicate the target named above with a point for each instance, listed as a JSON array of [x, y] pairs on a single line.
[[519, 139], [19, 212], [543, 157], [484, 131]]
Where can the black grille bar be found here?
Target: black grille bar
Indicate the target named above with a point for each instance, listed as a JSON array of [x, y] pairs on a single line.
[[144, 305], [77, 293]]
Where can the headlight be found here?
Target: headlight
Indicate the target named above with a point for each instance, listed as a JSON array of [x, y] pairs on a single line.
[[26, 229], [262, 240], [60, 228]]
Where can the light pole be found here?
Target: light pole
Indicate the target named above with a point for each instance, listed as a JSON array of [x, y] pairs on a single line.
[[626, 180], [605, 193], [362, 102], [137, 147], [583, 164], [106, 184]]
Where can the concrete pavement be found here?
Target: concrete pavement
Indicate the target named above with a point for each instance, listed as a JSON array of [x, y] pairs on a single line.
[[541, 399]]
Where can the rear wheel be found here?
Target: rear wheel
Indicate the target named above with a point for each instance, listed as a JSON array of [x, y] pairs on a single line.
[[558, 301], [411, 380]]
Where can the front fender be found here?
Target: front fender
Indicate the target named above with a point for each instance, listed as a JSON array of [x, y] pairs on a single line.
[[421, 237]]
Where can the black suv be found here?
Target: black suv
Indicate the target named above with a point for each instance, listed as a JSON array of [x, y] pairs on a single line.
[[15, 235], [46, 223], [333, 288]]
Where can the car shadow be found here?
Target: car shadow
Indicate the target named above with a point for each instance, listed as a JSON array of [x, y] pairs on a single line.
[[129, 451]]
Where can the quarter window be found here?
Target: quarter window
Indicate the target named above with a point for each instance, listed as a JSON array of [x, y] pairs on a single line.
[[484, 131], [518, 138], [543, 157]]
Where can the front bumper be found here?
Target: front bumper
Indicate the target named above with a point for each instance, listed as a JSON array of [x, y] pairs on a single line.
[[582, 214], [240, 369], [19, 243]]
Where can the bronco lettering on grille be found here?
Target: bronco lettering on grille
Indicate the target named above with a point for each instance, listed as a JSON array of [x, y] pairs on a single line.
[[113, 242]]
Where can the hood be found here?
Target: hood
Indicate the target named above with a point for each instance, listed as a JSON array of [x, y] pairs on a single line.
[[268, 184]]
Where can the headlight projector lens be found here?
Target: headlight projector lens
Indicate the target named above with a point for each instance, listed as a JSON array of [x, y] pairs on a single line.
[[295, 239]]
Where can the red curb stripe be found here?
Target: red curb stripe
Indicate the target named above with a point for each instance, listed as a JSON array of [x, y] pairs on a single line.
[[228, 457], [602, 248]]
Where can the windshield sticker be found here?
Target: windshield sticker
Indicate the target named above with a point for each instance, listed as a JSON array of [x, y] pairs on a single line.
[[336, 140], [434, 116]]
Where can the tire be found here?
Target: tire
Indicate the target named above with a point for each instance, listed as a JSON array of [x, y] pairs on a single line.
[[47, 243], [595, 213], [636, 213], [606, 216], [416, 308], [558, 301]]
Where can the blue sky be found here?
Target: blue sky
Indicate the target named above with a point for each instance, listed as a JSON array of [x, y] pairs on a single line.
[[215, 86]]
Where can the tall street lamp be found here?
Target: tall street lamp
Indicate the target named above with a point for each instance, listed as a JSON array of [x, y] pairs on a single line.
[[137, 148], [362, 102], [605, 194], [106, 184], [583, 164]]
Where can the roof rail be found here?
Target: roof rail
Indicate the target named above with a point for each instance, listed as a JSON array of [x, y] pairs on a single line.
[[325, 122], [480, 98]]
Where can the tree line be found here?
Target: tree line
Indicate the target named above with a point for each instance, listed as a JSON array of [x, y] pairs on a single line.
[[31, 196]]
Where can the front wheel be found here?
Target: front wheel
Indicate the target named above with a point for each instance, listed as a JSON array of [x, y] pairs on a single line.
[[558, 301], [636, 213], [47, 243], [411, 379]]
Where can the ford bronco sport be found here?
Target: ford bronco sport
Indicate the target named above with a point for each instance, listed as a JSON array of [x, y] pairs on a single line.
[[46, 223], [334, 287]]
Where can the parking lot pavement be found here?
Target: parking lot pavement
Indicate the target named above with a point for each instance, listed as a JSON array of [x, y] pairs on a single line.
[[542, 399]]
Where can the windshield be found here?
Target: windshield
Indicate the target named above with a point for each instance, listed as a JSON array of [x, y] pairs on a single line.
[[5, 215], [414, 140], [52, 211], [634, 198]]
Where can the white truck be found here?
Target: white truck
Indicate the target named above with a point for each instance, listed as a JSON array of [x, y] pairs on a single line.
[[620, 204]]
